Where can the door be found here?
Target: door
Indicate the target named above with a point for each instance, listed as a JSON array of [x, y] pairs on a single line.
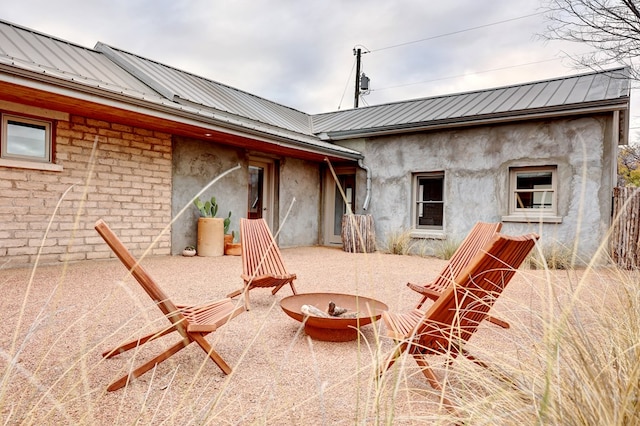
[[260, 191], [336, 206]]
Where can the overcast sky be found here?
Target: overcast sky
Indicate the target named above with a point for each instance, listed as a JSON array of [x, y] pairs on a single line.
[[300, 53]]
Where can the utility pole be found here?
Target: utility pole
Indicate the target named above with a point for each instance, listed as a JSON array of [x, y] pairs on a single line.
[[356, 96]]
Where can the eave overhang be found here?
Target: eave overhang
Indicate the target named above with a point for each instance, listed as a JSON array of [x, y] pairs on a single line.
[[621, 104], [40, 88]]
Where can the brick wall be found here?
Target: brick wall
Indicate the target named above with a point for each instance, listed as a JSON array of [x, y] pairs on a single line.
[[126, 180]]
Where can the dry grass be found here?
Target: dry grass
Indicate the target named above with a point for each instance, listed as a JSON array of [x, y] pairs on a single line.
[[397, 242], [571, 355], [572, 351]]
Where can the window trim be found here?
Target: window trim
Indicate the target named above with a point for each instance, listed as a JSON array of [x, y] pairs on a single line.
[[48, 136], [519, 214], [423, 231]]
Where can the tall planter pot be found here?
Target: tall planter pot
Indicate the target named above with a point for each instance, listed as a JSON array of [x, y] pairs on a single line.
[[210, 236]]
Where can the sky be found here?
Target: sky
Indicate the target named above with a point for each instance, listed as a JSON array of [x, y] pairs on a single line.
[[301, 53]]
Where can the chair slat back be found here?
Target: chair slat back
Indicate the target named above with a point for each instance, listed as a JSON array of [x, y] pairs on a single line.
[[260, 253], [479, 236], [455, 316], [144, 279]]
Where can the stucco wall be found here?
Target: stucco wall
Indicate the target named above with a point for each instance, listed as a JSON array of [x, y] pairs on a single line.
[[299, 180], [476, 163], [195, 164]]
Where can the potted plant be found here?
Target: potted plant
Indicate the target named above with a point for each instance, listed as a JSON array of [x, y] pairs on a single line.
[[233, 249], [189, 251], [228, 237], [230, 248], [210, 228]]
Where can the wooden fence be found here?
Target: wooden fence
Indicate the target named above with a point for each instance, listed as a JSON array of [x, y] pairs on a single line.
[[625, 233]]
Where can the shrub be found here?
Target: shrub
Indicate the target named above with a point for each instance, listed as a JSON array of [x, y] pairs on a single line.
[[445, 249], [398, 242], [552, 257]]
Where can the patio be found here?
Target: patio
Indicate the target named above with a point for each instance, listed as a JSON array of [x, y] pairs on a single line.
[[69, 314]]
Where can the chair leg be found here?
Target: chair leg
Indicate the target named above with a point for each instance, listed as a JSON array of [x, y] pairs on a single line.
[[137, 342], [245, 289], [148, 365], [497, 374], [247, 303], [277, 288], [432, 379], [398, 351], [421, 302], [235, 293], [497, 321], [474, 359], [200, 340]]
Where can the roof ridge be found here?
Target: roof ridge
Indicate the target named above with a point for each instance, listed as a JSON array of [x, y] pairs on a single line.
[[122, 51], [42, 34]]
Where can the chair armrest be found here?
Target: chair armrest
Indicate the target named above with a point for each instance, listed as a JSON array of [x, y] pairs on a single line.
[[424, 290]]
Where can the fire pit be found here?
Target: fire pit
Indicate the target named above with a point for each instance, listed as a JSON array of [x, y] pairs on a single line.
[[360, 311]]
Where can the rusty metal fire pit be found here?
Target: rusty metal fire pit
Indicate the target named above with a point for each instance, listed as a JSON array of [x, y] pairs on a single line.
[[333, 329]]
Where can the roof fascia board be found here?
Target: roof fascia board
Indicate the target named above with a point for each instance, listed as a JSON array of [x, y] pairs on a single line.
[[169, 111], [466, 122], [126, 65]]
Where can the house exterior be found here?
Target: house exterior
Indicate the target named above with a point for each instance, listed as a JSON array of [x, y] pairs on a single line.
[[103, 133], [539, 157]]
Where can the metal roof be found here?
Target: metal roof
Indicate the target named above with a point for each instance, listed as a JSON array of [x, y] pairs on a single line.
[[35, 55], [32, 51], [113, 71], [592, 90], [178, 86]]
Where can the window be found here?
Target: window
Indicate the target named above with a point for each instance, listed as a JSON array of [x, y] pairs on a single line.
[[26, 139], [533, 192], [428, 201]]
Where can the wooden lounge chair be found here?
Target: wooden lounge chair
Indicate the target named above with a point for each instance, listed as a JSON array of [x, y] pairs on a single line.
[[454, 317], [193, 323], [479, 236], [262, 264]]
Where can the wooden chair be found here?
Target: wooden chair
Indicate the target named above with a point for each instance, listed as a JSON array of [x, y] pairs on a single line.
[[454, 317], [193, 323], [479, 236], [262, 264]]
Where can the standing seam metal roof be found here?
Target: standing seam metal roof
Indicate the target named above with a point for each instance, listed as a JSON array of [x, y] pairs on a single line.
[[25, 50], [603, 87], [33, 51], [117, 71], [181, 85]]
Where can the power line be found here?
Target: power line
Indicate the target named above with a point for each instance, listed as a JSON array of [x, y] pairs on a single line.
[[445, 35], [457, 32]]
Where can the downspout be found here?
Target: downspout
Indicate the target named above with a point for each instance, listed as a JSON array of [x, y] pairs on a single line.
[[367, 198]]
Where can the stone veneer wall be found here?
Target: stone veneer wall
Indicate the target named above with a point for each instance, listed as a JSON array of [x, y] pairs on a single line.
[[126, 181]]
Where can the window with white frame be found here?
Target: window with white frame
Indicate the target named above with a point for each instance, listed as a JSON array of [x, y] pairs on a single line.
[[25, 139], [533, 191], [428, 201]]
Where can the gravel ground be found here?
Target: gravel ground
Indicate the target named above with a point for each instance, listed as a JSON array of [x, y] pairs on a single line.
[[60, 322]]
